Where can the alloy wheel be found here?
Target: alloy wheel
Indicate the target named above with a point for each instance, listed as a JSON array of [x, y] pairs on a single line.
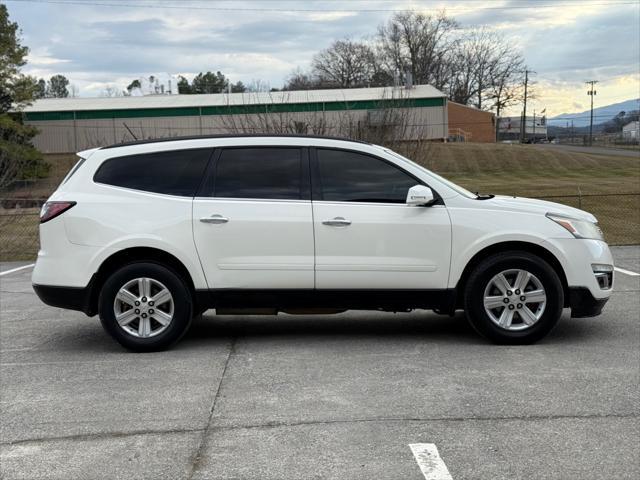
[[143, 307], [515, 299]]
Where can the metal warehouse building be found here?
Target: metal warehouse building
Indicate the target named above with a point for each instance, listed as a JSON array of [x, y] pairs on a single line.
[[73, 124]]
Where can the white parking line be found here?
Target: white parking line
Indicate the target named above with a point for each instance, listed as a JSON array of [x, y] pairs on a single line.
[[627, 272], [24, 267], [429, 461]]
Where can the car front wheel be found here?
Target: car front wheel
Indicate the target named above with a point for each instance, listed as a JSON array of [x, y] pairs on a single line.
[[513, 298], [145, 306]]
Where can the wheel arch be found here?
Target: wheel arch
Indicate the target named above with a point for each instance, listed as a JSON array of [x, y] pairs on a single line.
[[136, 255], [532, 248]]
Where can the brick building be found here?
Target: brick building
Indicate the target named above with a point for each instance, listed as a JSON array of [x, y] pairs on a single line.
[[468, 124]]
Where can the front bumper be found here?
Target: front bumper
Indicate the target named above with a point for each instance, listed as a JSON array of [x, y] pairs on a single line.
[[577, 257], [584, 304], [587, 292]]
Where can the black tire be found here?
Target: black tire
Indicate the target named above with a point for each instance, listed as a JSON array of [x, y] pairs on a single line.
[[481, 276], [182, 306]]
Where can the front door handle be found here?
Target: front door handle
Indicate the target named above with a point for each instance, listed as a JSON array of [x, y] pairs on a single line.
[[337, 222], [216, 219]]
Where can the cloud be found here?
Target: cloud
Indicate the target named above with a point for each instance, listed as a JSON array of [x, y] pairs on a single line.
[[43, 59]]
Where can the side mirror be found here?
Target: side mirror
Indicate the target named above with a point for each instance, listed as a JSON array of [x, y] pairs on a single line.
[[420, 196]]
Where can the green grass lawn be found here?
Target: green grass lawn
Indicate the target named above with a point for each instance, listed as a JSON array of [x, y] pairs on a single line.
[[19, 236], [528, 171]]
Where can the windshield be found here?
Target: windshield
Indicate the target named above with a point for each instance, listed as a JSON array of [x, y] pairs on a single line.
[[448, 183]]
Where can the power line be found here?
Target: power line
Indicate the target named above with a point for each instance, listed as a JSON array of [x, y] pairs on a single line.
[[315, 10]]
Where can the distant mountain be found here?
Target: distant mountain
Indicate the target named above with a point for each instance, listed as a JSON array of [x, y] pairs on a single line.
[[600, 114]]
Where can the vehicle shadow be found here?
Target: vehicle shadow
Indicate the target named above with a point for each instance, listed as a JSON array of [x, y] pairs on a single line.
[[352, 324], [209, 330], [361, 325]]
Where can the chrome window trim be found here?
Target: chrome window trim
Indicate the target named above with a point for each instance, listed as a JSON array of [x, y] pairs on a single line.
[[252, 200]]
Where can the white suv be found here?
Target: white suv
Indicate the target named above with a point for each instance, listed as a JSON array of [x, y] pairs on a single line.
[[152, 233]]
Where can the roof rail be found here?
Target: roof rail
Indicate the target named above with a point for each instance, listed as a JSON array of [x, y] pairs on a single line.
[[238, 135]]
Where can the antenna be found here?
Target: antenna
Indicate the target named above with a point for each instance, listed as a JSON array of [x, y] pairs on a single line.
[[129, 130]]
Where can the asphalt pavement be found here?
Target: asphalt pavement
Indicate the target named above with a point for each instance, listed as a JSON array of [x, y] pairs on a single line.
[[315, 397]]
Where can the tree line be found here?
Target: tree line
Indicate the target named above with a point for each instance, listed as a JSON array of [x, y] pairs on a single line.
[[208, 82], [56, 87], [476, 66], [620, 120]]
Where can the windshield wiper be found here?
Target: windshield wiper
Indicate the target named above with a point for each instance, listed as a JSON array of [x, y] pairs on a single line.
[[483, 196]]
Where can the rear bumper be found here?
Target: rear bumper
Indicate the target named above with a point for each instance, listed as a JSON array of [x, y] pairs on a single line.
[[71, 298], [584, 304]]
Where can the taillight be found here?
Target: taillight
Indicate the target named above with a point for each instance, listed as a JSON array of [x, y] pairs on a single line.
[[53, 209]]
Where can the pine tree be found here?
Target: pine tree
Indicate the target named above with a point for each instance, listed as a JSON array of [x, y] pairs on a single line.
[[18, 157]]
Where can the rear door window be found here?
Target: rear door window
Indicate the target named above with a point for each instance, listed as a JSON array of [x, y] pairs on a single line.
[[177, 172], [271, 173]]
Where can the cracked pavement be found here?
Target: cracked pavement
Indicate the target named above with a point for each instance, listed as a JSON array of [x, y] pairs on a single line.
[[297, 397]]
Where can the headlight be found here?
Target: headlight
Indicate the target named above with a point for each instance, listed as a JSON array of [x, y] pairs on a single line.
[[578, 228]]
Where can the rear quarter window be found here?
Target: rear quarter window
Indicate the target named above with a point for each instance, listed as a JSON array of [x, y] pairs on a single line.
[[177, 172], [73, 170]]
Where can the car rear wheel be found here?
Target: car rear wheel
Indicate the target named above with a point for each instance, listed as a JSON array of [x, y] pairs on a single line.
[[145, 306], [513, 298]]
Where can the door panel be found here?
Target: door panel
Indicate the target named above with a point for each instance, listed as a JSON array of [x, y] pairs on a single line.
[[384, 246], [366, 236], [263, 244], [252, 224]]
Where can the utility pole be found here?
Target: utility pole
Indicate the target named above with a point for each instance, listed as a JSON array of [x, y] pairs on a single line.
[[523, 123], [591, 92], [534, 126], [572, 131]]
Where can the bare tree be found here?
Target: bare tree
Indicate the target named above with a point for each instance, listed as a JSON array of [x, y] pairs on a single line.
[[477, 67], [73, 90], [419, 43], [392, 123], [486, 70], [461, 85], [473, 60], [507, 88], [111, 91], [258, 85], [345, 64], [300, 80]]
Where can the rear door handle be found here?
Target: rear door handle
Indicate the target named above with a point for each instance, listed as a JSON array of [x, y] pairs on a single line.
[[216, 219], [337, 222]]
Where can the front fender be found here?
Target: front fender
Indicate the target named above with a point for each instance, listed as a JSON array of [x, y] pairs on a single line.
[[474, 229]]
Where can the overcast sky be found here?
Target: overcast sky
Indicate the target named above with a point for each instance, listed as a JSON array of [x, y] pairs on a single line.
[[565, 41]]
